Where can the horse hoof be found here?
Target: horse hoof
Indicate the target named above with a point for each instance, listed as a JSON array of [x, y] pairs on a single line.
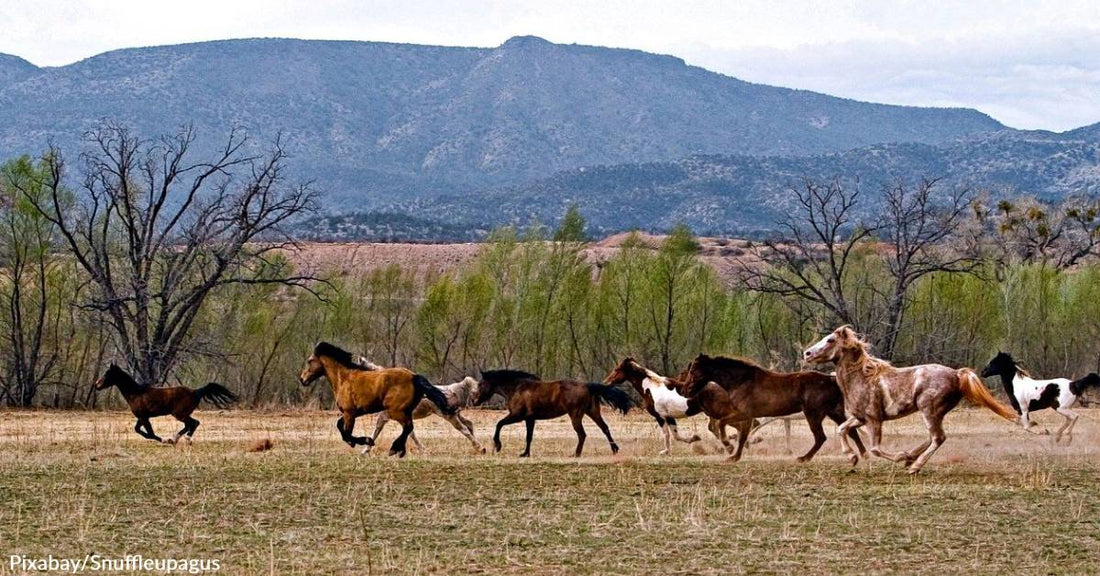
[[481, 450], [912, 470], [398, 453], [732, 458], [802, 459], [168, 441], [853, 460], [694, 438], [663, 453]]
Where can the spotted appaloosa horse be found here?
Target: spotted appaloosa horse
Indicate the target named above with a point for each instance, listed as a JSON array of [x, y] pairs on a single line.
[[1028, 394], [875, 391]]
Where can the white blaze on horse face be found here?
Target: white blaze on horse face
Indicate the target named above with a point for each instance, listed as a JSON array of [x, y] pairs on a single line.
[[820, 349]]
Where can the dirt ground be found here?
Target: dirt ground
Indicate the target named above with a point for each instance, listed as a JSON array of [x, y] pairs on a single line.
[[994, 500]]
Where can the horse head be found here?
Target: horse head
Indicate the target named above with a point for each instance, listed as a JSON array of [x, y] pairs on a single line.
[[695, 377], [619, 374], [1001, 364], [829, 348], [314, 367], [112, 377]]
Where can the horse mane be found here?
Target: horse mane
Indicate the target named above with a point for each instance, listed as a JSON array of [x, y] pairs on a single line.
[[341, 356], [115, 371], [1019, 368], [507, 374], [742, 369], [728, 362], [869, 366]]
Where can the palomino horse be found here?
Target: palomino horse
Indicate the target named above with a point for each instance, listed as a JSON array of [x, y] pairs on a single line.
[[754, 391], [529, 399], [149, 402], [358, 391], [875, 391], [1028, 395]]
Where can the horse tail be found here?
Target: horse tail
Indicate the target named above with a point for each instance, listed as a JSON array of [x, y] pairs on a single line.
[[611, 396], [1078, 387], [433, 394], [976, 392], [216, 394]]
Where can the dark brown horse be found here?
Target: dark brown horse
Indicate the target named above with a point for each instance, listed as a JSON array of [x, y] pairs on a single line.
[[529, 399], [359, 390], [150, 402], [752, 391]]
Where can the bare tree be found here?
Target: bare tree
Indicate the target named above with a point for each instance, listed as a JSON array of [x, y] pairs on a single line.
[[157, 232], [918, 225], [1029, 230], [810, 261], [27, 269]]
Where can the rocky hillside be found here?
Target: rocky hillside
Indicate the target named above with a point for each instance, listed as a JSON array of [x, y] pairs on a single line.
[[375, 123]]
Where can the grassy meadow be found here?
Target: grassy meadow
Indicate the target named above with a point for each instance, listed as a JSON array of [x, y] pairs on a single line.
[[994, 500]]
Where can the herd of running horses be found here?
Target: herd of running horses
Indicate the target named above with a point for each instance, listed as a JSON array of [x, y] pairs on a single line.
[[864, 391]]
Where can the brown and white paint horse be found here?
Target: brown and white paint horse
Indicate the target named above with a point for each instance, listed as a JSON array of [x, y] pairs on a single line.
[[875, 391]]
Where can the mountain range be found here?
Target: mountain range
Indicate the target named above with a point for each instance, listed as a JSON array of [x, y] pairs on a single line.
[[467, 138]]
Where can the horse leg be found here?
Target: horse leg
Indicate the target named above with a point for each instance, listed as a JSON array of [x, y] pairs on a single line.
[[416, 441], [717, 428], [843, 429], [787, 427], [814, 420], [744, 428], [598, 419], [1067, 427], [874, 429], [668, 439], [509, 419], [190, 424], [934, 422], [470, 428], [145, 429], [676, 433], [398, 448], [530, 436], [464, 427], [345, 425], [379, 424]]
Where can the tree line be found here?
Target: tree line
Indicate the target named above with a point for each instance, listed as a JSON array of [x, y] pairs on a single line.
[[174, 264]]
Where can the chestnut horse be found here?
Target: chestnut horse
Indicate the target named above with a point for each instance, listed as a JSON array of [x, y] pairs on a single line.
[[875, 391], [529, 399], [358, 391], [752, 391], [149, 402]]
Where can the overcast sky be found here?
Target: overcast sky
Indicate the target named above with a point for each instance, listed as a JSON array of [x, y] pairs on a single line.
[[1029, 64]]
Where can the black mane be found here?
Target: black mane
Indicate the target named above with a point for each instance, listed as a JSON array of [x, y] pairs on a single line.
[[727, 363], [341, 356], [507, 375], [116, 376]]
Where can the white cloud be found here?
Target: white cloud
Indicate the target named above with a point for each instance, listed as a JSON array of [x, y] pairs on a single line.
[[1029, 64]]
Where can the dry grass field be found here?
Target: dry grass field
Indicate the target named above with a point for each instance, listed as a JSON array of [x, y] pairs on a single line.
[[994, 500]]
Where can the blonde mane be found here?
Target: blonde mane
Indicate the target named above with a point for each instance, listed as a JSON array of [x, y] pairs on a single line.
[[869, 366]]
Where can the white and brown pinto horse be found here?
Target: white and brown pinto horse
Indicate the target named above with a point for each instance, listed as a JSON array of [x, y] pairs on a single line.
[[875, 391], [1028, 394]]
